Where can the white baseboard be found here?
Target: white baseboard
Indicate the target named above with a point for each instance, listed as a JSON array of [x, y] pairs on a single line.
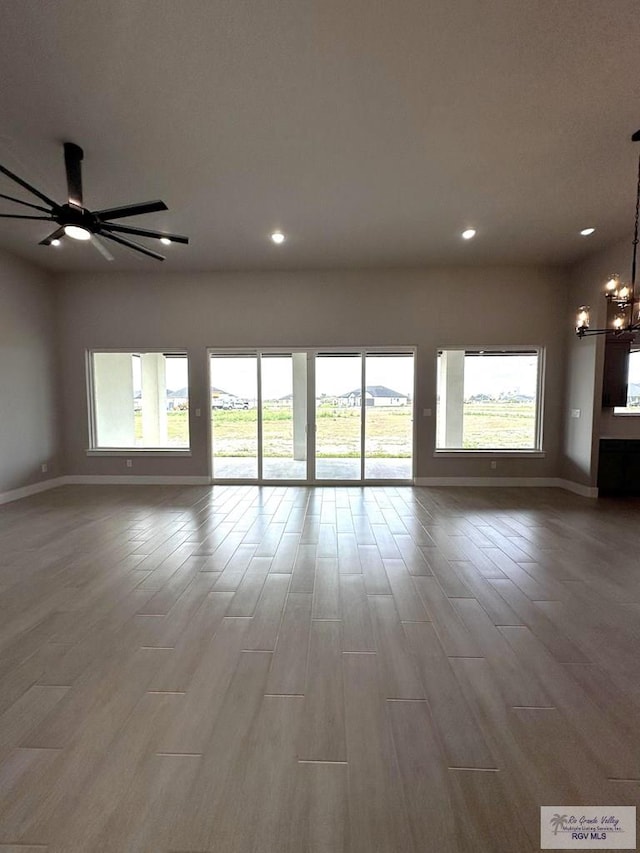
[[33, 489], [517, 482], [133, 480], [91, 480], [578, 488], [513, 482]]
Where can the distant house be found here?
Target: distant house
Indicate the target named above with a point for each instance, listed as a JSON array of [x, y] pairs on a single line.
[[520, 398], [175, 400], [218, 392], [375, 395], [178, 399], [280, 402], [220, 399], [225, 400]]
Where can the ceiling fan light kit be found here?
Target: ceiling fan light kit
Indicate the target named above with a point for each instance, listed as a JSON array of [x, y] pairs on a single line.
[[623, 317], [78, 223], [76, 232]]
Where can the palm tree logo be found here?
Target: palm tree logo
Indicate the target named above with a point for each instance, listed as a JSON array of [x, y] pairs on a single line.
[[557, 822]]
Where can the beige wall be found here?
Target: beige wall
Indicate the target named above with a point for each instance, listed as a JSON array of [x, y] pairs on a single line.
[[28, 376], [425, 308]]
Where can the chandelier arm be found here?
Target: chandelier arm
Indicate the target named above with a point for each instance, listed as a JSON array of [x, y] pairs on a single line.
[[623, 296], [613, 333]]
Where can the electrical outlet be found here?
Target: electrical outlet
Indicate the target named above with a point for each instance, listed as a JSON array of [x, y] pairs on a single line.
[[44, 467], [494, 465], [198, 413], [129, 463]]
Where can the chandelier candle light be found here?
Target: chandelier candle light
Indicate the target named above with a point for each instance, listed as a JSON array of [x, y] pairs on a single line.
[[620, 296]]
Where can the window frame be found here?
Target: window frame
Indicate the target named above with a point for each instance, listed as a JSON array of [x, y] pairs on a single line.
[[626, 414], [313, 352], [533, 452], [94, 449]]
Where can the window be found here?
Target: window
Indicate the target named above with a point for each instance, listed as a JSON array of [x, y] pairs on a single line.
[[140, 400], [633, 387], [488, 399]]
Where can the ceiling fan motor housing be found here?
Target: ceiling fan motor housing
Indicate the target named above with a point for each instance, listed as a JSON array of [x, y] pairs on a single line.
[[69, 214]]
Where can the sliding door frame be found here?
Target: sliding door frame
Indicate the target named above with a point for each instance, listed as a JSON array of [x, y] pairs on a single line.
[[312, 354]]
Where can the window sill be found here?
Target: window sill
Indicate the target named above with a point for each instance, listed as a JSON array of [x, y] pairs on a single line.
[[137, 451], [626, 414], [492, 454]]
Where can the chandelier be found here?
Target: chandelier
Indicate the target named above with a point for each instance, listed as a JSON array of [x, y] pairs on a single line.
[[623, 314]]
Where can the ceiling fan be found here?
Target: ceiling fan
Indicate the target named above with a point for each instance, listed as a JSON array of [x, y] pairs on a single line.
[[77, 222]]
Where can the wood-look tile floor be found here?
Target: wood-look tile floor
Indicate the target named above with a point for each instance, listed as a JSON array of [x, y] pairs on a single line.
[[245, 669]]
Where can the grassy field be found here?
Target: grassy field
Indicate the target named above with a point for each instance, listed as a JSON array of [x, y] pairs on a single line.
[[499, 425], [389, 433], [389, 430], [177, 428]]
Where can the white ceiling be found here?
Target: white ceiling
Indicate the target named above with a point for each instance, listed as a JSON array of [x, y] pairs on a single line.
[[372, 132]]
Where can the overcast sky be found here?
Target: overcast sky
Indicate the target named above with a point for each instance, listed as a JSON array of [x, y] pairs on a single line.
[[496, 374], [340, 374], [334, 375]]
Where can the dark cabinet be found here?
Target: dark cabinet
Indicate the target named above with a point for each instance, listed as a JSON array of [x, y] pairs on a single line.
[[616, 372], [619, 467]]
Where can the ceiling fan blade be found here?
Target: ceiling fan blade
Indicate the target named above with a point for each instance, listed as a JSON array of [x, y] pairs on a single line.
[[142, 232], [24, 203], [28, 187], [131, 210], [136, 246], [22, 216], [57, 234], [73, 155], [97, 243]]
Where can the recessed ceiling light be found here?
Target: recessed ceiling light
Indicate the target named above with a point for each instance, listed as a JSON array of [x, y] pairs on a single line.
[[587, 231], [277, 237], [165, 241], [55, 242], [469, 233], [77, 233]]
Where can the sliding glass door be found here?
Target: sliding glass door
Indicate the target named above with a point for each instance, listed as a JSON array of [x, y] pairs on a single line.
[[338, 445], [334, 416], [283, 382], [388, 440], [234, 416]]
